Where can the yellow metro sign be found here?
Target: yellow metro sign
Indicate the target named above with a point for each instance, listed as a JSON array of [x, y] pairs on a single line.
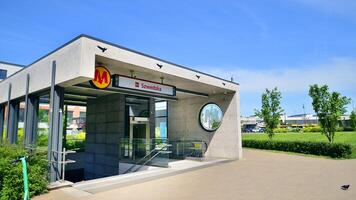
[[102, 78]]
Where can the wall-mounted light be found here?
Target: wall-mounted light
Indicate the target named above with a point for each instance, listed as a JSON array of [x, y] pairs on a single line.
[[197, 76], [223, 83]]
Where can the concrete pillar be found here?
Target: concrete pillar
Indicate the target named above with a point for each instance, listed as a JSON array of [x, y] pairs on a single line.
[[31, 120], [12, 121], [55, 133], [152, 118]]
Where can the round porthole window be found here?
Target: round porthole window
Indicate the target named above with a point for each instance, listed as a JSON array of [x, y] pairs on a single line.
[[210, 117]]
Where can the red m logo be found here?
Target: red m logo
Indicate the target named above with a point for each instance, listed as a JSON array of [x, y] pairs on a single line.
[[100, 77]]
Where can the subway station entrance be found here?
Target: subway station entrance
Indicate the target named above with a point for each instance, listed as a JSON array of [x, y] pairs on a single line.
[[139, 111]]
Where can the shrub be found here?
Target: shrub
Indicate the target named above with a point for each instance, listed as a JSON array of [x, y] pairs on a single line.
[[312, 128], [76, 142], [348, 129], [11, 180], [339, 129], [296, 130], [333, 150], [77, 145], [281, 130]]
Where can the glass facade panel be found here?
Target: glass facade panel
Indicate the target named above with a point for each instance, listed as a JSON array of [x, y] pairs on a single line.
[[5, 124], [137, 107], [20, 125], [161, 127], [43, 122], [161, 119]]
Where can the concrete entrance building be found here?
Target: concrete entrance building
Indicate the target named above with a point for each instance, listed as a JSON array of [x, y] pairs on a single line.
[[139, 107]]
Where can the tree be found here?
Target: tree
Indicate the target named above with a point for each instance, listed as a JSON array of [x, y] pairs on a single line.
[[271, 110], [328, 107], [353, 120]]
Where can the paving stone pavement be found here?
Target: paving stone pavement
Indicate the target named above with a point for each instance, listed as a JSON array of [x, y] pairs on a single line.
[[260, 175]]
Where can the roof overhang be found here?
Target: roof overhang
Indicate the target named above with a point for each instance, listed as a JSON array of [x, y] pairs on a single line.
[[76, 61]]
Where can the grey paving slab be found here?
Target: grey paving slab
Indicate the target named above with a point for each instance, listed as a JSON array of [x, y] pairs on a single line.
[[260, 175]]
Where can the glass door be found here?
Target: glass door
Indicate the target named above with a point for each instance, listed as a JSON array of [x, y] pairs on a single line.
[[138, 114]]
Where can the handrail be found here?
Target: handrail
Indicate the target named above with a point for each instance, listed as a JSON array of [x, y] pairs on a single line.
[[160, 151], [142, 159]]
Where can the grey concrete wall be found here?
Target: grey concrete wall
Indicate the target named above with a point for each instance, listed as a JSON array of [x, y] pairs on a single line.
[[183, 123], [105, 126]]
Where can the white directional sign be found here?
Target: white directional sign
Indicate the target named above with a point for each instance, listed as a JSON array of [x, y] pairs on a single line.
[[143, 85]]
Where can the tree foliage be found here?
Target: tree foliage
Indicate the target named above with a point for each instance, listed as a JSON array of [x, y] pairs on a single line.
[[271, 110], [353, 120], [329, 107]]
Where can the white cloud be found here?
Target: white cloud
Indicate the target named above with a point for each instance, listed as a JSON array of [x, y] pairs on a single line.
[[346, 8], [338, 73]]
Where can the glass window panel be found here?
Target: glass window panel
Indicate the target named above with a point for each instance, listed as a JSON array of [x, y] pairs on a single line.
[[211, 117], [20, 123], [137, 107], [43, 122], [161, 109], [161, 127], [5, 123]]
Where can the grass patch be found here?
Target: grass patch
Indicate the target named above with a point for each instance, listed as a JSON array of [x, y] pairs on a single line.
[[340, 137]]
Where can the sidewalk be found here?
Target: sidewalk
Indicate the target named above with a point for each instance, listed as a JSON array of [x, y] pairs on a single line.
[[260, 175]]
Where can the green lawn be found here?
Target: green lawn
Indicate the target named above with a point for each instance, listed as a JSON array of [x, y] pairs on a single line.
[[340, 137]]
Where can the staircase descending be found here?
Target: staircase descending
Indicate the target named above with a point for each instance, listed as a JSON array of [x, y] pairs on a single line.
[[164, 149]]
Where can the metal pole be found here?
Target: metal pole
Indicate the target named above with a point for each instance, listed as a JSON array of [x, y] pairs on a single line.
[[65, 125], [60, 140], [25, 179], [63, 164]]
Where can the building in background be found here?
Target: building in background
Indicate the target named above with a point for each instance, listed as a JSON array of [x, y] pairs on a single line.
[[7, 69], [255, 124]]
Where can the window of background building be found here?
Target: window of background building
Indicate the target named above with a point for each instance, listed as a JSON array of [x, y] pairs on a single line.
[[82, 114], [69, 118], [3, 73]]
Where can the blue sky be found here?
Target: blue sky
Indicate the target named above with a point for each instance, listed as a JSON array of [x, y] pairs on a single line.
[[285, 43]]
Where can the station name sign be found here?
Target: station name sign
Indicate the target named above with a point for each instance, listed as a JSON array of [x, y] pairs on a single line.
[[142, 85]]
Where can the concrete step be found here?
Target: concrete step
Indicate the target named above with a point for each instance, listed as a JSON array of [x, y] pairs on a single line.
[[177, 167]]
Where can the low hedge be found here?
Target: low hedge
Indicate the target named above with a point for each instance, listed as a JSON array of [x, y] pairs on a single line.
[[334, 150], [11, 180]]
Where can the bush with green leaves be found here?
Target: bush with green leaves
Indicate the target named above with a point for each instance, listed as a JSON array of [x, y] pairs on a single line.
[[11, 179], [353, 120], [75, 142], [312, 129], [334, 150], [281, 130]]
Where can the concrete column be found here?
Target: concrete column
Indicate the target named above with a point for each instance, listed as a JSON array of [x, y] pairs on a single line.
[[12, 121], [2, 118], [55, 133], [239, 136], [31, 120], [152, 118]]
